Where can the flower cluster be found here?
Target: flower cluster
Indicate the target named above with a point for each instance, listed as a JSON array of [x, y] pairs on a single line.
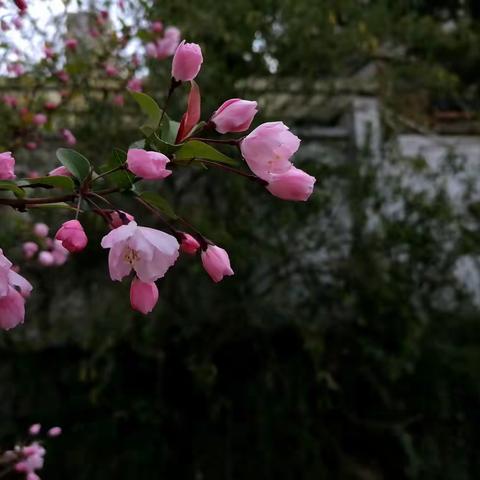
[[47, 251], [146, 254], [28, 459]]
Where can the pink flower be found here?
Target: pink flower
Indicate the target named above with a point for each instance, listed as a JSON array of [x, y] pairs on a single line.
[[234, 115], [157, 26], [40, 119], [149, 252], [29, 249], [186, 62], [147, 164], [189, 244], [63, 76], [10, 101], [59, 253], [135, 85], [151, 50], [111, 70], [51, 105], [48, 51], [54, 432], [294, 184], [40, 230], [17, 23], [143, 296], [13, 291], [7, 166], [72, 235], [31, 145], [172, 33], [119, 100], [268, 148], [216, 262], [68, 136], [60, 172], [71, 43], [119, 218], [32, 460], [34, 429], [167, 45], [46, 259]]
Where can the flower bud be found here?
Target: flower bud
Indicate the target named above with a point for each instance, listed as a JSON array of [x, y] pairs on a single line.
[[29, 249], [40, 230], [234, 115], [119, 218], [60, 172], [34, 429], [147, 164], [7, 166], [54, 432], [189, 244], [46, 259], [143, 296], [72, 236], [186, 62], [40, 119], [216, 262]]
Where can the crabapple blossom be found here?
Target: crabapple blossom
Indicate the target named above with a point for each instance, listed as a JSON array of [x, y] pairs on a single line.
[[7, 166], [41, 230], [119, 218], [29, 249], [60, 172], [135, 85], [186, 62], [59, 253], [234, 115], [268, 149], [189, 244], [143, 296], [46, 259], [72, 235], [148, 164], [54, 432], [40, 119], [149, 252], [216, 263], [34, 429], [294, 184]]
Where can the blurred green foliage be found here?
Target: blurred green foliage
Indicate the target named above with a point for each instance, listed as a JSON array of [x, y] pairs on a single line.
[[341, 349]]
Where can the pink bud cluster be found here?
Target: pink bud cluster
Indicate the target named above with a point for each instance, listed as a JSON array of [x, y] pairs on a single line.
[[47, 251]]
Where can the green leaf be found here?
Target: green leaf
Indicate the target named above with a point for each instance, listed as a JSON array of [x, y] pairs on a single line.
[[169, 130], [197, 149], [54, 205], [122, 179], [160, 203], [61, 182], [75, 162], [150, 107], [12, 187]]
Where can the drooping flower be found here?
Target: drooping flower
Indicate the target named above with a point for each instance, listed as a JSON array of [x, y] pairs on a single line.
[[234, 115], [268, 149], [186, 62], [189, 244], [149, 252], [7, 166], [216, 263], [143, 296], [73, 236], [148, 164], [294, 184]]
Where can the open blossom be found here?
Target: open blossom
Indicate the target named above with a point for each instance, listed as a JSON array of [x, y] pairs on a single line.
[[7, 166], [143, 296], [32, 460], [216, 263], [234, 115], [294, 184], [13, 291], [147, 164], [186, 62], [60, 172], [268, 149], [149, 252], [73, 236], [189, 244], [40, 230]]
